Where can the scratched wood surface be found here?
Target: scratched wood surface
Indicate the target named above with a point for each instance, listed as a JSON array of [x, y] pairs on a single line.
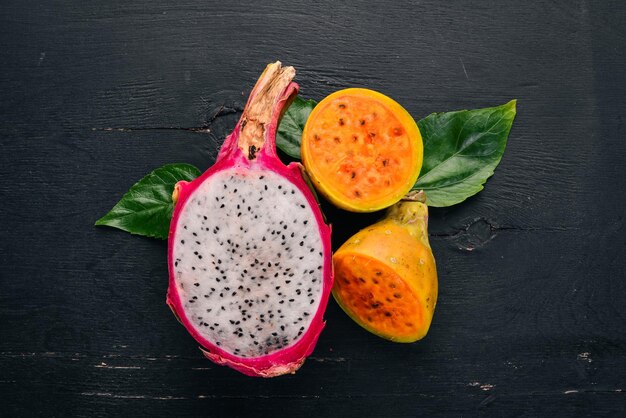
[[531, 318]]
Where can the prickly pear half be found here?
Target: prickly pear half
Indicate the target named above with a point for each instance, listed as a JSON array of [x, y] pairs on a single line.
[[362, 150], [385, 275], [249, 253]]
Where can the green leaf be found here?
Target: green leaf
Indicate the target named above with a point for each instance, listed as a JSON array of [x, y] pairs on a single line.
[[289, 135], [146, 209], [461, 151]]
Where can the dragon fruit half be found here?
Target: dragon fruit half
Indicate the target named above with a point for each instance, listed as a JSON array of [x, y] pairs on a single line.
[[249, 252]]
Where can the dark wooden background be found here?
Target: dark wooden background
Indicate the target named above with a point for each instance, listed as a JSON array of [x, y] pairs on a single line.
[[531, 318]]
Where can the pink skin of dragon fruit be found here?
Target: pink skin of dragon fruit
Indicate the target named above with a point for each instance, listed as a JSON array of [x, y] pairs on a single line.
[[250, 279]]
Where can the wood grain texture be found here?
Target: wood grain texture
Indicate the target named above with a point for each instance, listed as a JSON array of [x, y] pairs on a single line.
[[531, 319]]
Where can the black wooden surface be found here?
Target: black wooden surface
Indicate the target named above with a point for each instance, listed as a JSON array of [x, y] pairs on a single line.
[[531, 318]]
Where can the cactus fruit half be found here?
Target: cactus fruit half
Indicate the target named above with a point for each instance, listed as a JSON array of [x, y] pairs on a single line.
[[362, 150], [385, 275]]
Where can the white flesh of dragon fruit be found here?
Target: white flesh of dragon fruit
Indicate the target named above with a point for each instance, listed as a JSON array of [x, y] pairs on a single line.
[[254, 234]]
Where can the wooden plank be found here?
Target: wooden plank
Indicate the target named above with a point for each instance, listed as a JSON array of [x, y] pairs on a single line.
[[532, 307]]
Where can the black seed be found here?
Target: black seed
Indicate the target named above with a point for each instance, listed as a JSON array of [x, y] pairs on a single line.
[[182, 241], [196, 284]]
